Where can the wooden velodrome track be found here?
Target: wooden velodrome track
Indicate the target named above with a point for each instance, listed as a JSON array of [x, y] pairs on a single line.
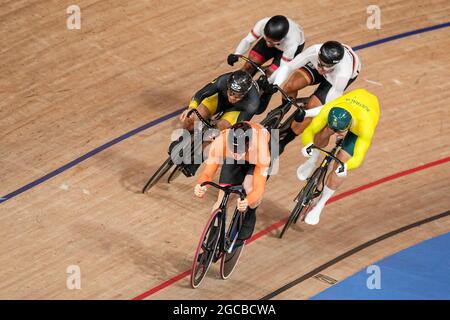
[[66, 92]]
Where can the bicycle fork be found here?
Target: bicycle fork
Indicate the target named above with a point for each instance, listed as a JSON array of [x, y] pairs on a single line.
[[235, 226]]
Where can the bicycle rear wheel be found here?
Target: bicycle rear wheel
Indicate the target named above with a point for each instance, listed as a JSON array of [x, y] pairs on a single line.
[[174, 174], [206, 249], [230, 259], [303, 200], [158, 174]]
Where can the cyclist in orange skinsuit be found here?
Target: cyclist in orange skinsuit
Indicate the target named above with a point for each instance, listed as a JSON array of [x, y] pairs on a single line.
[[243, 151]]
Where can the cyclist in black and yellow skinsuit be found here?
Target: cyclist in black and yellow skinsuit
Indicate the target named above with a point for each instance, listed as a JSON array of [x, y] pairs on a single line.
[[234, 94]]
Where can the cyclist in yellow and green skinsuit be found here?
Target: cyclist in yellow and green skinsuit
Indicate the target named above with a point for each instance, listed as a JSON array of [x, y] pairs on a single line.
[[353, 117]]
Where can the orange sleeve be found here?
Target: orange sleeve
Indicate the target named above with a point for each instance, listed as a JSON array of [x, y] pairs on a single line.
[[259, 185], [214, 160], [261, 168]]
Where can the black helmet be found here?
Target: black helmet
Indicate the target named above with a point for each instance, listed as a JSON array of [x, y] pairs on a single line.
[[239, 137], [331, 52], [276, 28], [240, 82]]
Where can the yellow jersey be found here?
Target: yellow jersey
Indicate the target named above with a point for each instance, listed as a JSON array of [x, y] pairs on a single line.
[[365, 111]]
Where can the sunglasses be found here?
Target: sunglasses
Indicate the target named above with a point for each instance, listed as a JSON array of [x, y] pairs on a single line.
[[338, 131], [235, 94], [274, 42], [323, 65]]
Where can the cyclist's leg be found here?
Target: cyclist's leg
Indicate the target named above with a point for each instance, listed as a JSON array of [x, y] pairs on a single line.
[[266, 95], [248, 225], [277, 59], [277, 56], [333, 181], [321, 139], [259, 54], [240, 174], [302, 78], [346, 152], [319, 98]]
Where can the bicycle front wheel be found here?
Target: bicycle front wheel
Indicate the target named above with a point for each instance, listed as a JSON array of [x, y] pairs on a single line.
[[303, 200], [158, 174], [229, 262], [230, 259], [206, 249]]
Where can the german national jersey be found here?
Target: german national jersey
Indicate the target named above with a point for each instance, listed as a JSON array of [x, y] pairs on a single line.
[[348, 68], [288, 45]]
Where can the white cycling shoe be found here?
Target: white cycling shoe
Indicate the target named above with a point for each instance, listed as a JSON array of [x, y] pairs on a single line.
[[313, 217], [305, 170]]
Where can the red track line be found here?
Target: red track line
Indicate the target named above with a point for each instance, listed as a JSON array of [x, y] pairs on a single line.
[[162, 285], [389, 178], [281, 222]]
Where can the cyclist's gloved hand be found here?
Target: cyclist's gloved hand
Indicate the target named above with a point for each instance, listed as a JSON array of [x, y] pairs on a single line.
[[242, 204], [263, 83], [183, 116], [342, 171], [300, 115], [200, 191], [265, 86], [232, 59], [307, 151]]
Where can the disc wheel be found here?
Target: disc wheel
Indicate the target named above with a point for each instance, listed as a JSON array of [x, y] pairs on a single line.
[[230, 259]]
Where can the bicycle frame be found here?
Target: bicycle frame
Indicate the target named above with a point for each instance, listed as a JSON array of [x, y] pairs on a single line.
[[330, 156], [224, 245]]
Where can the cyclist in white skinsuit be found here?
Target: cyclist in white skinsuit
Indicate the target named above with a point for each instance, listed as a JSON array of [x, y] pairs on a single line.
[[332, 65]]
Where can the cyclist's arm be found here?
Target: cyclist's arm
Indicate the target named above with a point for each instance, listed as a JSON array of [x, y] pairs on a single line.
[[259, 185], [208, 172], [313, 112], [338, 87], [248, 107], [251, 37], [288, 55], [245, 43], [316, 125], [214, 160], [362, 144], [207, 91], [283, 73], [261, 169]]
